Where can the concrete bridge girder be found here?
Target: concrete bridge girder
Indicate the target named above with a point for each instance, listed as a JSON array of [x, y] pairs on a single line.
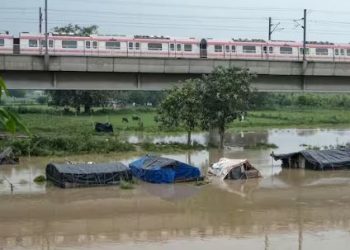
[[74, 72]]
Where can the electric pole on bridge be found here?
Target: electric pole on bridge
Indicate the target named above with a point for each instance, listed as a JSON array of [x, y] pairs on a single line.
[[40, 20], [46, 57], [304, 39], [273, 28]]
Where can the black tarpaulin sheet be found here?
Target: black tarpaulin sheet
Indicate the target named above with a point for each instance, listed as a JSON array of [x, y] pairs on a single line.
[[70, 175], [321, 159]]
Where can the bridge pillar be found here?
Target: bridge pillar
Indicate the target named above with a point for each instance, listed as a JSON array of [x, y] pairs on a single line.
[[139, 83]]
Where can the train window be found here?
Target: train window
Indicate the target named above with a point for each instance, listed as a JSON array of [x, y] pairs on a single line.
[[218, 48], [178, 47], [69, 44], [131, 46], [348, 52], [155, 46], [249, 49], [88, 44], [33, 43], [94, 44], [227, 48], [342, 52], [188, 47], [321, 52], [172, 47], [2, 42], [112, 45], [307, 51], [43, 43], [233, 49], [265, 49], [337, 52], [137, 46], [286, 50], [270, 50]]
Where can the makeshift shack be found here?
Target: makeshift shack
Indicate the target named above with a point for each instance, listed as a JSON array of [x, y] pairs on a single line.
[[316, 159], [233, 169], [77, 175], [156, 169]]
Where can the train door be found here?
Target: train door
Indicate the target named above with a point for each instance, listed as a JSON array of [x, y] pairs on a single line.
[[203, 48], [16, 46], [87, 49]]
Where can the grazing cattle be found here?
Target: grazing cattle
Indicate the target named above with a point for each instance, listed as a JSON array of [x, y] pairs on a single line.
[[136, 118], [124, 119]]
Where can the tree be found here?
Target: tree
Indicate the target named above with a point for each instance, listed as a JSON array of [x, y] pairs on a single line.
[[77, 30], [224, 94], [77, 98], [181, 107], [9, 120], [18, 93]]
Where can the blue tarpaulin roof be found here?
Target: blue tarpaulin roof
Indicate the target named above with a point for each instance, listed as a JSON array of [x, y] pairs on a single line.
[[156, 169]]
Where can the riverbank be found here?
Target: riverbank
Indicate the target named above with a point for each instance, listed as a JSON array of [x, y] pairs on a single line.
[[58, 134]]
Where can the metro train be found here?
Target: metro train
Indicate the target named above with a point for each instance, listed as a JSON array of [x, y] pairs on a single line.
[[152, 46]]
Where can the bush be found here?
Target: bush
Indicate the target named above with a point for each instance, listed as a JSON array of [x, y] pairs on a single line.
[[40, 179], [54, 145], [41, 99]]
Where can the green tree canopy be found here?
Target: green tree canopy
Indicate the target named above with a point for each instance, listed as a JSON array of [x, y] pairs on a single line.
[[181, 107], [224, 94], [77, 30], [77, 98]]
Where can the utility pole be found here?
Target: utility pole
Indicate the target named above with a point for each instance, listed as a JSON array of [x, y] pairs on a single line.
[[273, 28], [40, 20], [270, 28], [46, 57], [304, 40]]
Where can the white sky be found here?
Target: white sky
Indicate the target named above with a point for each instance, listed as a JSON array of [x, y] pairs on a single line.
[[327, 20]]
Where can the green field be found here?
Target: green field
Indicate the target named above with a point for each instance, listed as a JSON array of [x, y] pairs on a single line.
[[58, 134], [53, 124]]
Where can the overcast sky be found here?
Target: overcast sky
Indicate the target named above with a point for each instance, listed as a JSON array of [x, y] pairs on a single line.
[[327, 20]]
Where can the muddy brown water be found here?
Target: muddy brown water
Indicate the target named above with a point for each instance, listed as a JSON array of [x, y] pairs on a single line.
[[286, 209]]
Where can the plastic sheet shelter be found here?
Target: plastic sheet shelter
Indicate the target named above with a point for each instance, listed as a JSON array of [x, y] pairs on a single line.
[[234, 169], [77, 175], [156, 169], [316, 159]]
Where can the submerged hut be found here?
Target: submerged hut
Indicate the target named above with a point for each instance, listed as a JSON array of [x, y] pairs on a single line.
[[234, 169], [156, 169], [78, 175], [316, 159]]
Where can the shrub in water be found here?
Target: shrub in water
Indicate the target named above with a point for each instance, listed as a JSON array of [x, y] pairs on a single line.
[[40, 179]]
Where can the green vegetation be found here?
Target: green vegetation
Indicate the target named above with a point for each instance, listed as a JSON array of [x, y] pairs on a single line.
[[225, 95], [126, 185], [170, 147], [67, 144], [40, 179], [182, 107], [213, 101], [9, 120], [261, 145]]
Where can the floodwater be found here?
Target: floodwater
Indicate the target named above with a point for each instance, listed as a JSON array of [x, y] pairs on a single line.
[[289, 209]]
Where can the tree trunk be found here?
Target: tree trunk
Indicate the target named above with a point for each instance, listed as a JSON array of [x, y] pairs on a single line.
[[78, 109], [189, 140], [222, 137], [87, 108]]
